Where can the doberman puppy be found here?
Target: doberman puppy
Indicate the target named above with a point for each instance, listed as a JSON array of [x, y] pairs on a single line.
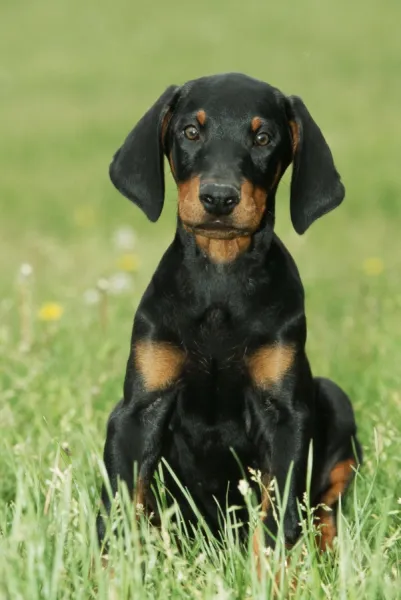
[[217, 372]]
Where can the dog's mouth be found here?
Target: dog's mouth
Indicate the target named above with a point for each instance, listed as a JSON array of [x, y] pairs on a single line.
[[217, 230]]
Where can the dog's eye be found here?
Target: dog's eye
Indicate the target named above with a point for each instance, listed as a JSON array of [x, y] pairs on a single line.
[[262, 139], [191, 133]]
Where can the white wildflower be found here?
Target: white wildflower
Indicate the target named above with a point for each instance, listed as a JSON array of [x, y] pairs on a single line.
[[103, 285], [243, 487], [91, 296], [25, 270], [120, 282], [124, 238]]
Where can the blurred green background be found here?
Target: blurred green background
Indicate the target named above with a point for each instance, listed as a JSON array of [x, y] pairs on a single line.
[[75, 76]]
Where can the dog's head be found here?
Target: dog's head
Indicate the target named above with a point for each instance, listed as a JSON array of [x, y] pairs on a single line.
[[229, 139]]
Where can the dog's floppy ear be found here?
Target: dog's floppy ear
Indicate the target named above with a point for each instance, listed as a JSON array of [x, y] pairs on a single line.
[[137, 169], [316, 187]]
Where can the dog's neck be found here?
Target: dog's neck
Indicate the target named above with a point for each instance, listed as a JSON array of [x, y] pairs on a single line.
[[222, 251]]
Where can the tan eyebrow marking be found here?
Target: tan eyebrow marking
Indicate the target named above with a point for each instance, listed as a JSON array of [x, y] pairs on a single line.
[[256, 123], [201, 116]]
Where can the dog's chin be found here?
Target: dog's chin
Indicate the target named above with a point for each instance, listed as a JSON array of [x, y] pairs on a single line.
[[216, 231]]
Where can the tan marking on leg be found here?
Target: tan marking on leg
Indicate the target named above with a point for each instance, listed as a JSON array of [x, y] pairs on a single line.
[[256, 549], [104, 559], [265, 500], [268, 365], [140, 494], [201, 116], [223, 251], [258, 541], [144, 504], [258, 536], [159, 363], [325, 522], [256, 123], [340, 477]]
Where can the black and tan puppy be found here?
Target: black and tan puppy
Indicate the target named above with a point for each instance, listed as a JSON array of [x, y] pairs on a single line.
[[217, 360]]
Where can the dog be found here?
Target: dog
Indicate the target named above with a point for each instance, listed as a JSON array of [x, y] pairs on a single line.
[[217, 376]]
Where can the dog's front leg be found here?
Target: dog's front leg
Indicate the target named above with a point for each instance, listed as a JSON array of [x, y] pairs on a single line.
[[135, 434], [287, 461], [289, 465]]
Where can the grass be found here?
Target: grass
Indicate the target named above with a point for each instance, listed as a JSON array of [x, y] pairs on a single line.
[[74, 77]]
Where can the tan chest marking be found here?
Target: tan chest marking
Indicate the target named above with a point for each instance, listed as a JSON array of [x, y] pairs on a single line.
[[223, 251], [268, 365], [159, 363]]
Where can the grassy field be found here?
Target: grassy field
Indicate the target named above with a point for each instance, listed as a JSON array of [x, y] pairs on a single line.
[[74, 77]]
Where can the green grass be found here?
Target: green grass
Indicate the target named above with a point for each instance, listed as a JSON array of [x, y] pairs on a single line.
[[74, 77]]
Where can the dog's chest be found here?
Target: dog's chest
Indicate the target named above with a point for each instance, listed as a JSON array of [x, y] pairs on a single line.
[[215, 347], [213, 422]]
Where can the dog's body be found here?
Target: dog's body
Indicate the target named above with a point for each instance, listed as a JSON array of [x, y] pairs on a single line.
[[217, 370]]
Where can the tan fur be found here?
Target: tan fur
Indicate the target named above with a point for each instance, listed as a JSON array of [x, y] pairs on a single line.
[[171, 163], [268, 365], [256, 123], [257, 538], [201, 116], [249, 212], [190, 208], [277, 176], [295, 136], [159, 363], [246, 215], [324, 520], [222, 247], [165, 124], [223, 251], [340, 477], [140, 494]]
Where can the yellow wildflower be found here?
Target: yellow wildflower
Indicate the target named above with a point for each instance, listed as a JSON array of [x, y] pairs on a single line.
[[50, 311], [373, 266], [128, 262]]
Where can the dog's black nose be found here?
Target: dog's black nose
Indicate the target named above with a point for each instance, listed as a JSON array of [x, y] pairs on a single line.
[[219, 198]]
